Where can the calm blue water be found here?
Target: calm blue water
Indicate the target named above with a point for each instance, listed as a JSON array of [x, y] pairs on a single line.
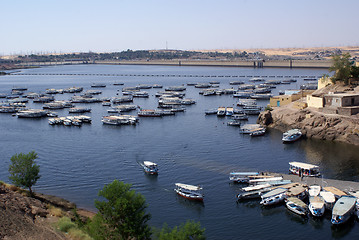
[[189, 148]]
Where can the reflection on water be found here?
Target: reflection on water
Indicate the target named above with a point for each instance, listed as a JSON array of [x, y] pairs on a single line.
[[339, 160]]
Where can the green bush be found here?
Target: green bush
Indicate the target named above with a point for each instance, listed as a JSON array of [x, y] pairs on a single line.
[[65, 224]]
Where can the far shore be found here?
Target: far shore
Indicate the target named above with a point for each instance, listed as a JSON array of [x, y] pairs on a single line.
[[320, 64]]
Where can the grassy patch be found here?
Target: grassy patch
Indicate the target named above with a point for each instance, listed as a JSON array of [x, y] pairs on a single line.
[[65, 224], [54, 211], [77, 234]]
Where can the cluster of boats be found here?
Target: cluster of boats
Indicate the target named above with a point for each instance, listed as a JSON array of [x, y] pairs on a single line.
[[273, 190], [70, 120], [301, 199]]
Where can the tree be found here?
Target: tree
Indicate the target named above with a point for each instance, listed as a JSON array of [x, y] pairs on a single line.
[[122, 214], [23, 170], [189, 230], [341, 67]]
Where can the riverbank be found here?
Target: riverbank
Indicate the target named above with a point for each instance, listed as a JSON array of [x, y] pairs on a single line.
[[24, 217], [313, 122]]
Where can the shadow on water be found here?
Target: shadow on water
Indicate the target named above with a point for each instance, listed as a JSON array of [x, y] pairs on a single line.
[[293, 217], [340, 231], [196, 206], [268, 211]]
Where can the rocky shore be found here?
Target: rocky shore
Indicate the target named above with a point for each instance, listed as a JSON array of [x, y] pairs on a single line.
[[313, 124], [24, 217]]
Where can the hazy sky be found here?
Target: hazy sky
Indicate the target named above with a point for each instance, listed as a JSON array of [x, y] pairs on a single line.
[[114, 25]]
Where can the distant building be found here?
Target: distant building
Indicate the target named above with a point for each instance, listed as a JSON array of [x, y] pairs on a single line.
[[291, 96]]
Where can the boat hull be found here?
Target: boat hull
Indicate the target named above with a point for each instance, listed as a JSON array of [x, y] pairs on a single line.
[[189, 196]]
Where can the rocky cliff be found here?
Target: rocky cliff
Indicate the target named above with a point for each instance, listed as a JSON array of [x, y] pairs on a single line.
[[313, 124]]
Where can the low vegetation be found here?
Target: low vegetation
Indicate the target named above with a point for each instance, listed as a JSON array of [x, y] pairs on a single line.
[[121, 214]]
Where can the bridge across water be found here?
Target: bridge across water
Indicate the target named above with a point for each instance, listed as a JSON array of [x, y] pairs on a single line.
[[165, 75]]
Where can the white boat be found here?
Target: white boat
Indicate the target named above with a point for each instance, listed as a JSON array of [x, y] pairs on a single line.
[[297, 206], [241, 177], [229, 111], [263, 96], [304, 169], [221, 111], [79, 110], [235, 123], [258, 132], [264, 180], [32, 113], [291, 136], [329, 199], [314, 190], [240, 117], [119, 120], [98, 85], [256, 187], [150, 167], [248, 128], [343, 209], [275, 196], [149, 113], [189, 191], [316, 206], [298, 191], [211, 111], [242, 94], [252, 194], [140, 94]]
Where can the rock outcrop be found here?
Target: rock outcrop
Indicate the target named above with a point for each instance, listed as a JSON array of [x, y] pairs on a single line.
[[313, 124]]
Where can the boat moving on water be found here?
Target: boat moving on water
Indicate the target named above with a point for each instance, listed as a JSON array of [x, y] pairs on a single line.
[[150, 167], [189, 191]]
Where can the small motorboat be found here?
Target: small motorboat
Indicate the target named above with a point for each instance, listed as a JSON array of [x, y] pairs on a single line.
[[316, 206], [241, 177], [189, 191], [329, 199], [258, 132], [297, 206], [273, 197], [291, 136], [314, 190], [343, 209], [150, 167]]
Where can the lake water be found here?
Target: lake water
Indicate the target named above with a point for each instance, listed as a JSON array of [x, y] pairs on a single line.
[[189, 148]]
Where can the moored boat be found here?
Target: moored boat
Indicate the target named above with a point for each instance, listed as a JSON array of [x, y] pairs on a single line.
[[189, 191], [304, 169], [241, 177], [329, 199], [316, 206], [273, 197], [314, 190], [297, 206], [343, 209], [291, 135]]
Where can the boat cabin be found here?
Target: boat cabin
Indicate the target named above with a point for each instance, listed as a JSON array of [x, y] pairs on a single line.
[[304, 169]]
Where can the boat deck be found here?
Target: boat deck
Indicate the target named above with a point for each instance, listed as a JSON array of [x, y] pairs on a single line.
[[340, 184]]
